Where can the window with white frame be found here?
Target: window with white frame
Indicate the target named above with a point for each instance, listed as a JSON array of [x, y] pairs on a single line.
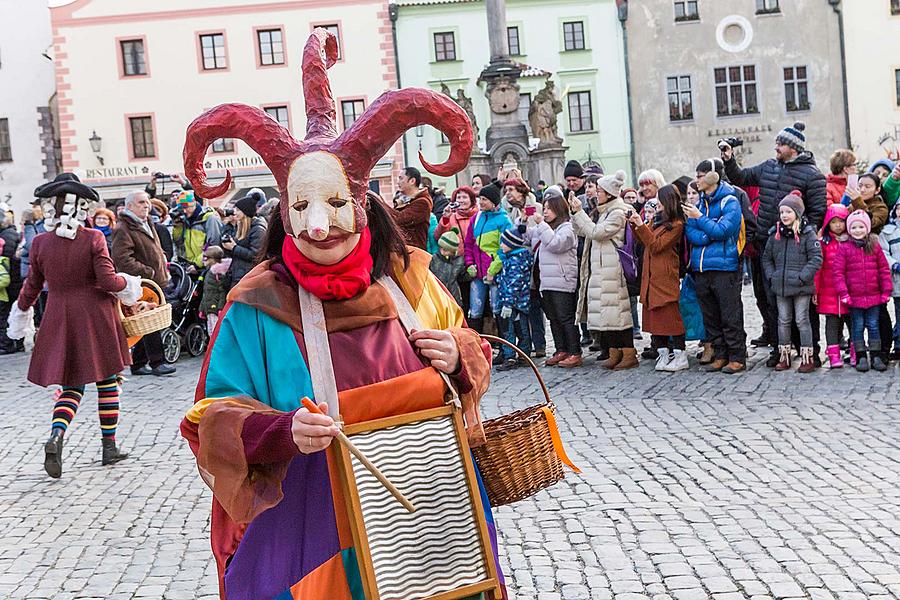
[[271, 46], [351, 110], [681, 98], [796, 89], [5, 148], [895, 7], [212, 47], [524, 107], [897, 80], [686, 10], [573, 35], [444, 46], [133, 63], [580, 115], [280, 114], [765, 7], [512, 37], [736, 90], [142, 145], [223, 145]]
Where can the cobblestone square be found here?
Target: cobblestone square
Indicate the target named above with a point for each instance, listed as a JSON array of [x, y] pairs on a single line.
[[695, 486]]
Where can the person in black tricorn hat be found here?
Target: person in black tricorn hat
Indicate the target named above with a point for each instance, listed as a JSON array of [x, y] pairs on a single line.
[[81, 339]]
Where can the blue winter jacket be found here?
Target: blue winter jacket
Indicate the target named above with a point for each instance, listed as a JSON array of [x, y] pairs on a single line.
[[514, 279], [714, 235]]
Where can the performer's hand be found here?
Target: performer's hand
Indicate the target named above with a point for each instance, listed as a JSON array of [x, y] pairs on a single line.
[[312, 432], [439, 347]]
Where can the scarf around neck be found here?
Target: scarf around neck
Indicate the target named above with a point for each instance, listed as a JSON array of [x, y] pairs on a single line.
[[340, 281]]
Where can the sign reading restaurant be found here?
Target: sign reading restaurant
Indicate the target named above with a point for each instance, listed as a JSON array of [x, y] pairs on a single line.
[[217, 164]]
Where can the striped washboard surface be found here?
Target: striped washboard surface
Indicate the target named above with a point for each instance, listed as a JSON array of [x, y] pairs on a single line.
[[436, 549]]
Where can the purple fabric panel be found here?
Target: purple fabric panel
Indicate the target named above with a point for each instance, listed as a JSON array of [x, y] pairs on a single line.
[[290, 540], [267, 438], [382, 347]]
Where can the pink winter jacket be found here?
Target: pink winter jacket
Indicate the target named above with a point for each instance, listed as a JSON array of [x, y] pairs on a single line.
[[865, 278], [829, 301]]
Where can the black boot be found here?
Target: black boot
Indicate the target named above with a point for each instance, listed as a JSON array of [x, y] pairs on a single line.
[[111, 454], [53, 453], [862, 358], [774, 358], [878, 362]]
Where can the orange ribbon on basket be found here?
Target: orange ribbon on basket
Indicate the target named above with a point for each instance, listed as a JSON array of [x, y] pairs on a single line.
[[557, 441]]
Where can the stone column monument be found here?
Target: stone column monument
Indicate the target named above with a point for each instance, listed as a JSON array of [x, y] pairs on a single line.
[[507, 137]]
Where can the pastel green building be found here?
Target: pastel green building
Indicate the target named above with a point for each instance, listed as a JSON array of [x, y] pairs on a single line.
[[577, 43]]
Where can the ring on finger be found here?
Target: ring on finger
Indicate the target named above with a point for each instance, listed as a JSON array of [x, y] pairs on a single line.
[[309, 441]]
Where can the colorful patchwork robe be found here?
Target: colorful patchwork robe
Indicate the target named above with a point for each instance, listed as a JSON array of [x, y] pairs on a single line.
[[279, 523]]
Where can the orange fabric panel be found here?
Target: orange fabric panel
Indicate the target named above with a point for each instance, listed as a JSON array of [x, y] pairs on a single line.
[[328, 582], [342, 522], [408, 393]]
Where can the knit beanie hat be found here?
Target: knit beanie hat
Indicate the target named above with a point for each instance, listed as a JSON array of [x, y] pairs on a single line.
[[613, 184], [449, 240], [247, 204], [513, 237], [573, 169], [793, 136], [185, 197], [860, 216], [794, 201], [491, 192]]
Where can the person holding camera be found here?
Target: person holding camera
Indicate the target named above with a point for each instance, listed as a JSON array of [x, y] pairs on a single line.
[[792, 168], [194, 227], [412, 208], [714, 232], [250, 233]]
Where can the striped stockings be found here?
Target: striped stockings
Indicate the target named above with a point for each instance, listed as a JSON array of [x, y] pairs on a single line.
[[69, 398]]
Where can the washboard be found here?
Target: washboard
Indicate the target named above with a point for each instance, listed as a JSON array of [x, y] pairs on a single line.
[[440, 552]]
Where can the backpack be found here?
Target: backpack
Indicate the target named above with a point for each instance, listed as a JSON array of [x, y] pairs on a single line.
[[742, 235], [627, 256]]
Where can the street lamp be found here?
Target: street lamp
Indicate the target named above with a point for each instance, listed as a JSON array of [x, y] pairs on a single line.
[[96, 145]]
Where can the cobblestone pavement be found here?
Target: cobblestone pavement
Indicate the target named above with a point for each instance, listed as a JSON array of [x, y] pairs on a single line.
[[695, 486]]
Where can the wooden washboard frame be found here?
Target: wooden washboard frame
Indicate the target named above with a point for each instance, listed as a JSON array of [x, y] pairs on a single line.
[[447, 418]]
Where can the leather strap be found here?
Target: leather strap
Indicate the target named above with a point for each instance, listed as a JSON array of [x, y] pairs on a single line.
[[410, 321], [318, 352]]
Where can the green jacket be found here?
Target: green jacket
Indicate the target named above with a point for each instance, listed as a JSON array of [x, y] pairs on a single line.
[[4, 279], [890, 191], [203, 229]]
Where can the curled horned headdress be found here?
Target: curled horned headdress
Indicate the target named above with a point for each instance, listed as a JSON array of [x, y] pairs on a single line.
[[323, 178]]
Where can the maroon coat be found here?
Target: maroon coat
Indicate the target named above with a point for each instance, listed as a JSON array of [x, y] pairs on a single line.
[[81, 339]]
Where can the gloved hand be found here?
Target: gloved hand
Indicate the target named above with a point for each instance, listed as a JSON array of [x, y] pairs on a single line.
[[896, 267], [506, 312], [845, 299], [885, 298], [472, 271]]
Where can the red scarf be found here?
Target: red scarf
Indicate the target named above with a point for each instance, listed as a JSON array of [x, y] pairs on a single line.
[[339, 281]]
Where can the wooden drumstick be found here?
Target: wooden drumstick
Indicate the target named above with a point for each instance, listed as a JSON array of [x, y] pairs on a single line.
[[311, 407]]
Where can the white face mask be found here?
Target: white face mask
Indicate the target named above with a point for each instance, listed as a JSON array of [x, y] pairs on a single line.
[[319, 196]]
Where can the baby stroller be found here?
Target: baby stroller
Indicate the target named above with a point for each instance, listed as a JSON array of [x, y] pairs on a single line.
[[188, 329]]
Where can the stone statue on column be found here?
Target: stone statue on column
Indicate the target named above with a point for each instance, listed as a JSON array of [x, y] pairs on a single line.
[[542, 116], [466, 104]]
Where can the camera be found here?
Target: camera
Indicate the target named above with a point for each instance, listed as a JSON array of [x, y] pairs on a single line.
[[734, 142], [228, 212], [226, 237], [177, 214]]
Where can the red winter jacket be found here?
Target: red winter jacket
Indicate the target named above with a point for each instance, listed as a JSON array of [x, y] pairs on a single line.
[[834, 188], [829, 301], [864, 277]]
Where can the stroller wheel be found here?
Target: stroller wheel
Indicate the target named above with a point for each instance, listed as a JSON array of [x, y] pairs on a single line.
[[171, 346], [196, 339]]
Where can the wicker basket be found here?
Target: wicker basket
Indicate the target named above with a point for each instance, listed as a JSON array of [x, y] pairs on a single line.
[[149, 321], [519, 458]]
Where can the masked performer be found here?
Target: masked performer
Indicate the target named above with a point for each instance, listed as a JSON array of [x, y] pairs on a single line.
[[81, 339], [280, 528]]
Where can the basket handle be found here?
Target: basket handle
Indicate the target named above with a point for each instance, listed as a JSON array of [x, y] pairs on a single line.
[[156, 288], [491, 338]]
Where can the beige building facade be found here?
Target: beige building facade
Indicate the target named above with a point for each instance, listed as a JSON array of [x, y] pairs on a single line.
[[873, 77], [132, 75], [701, 70]]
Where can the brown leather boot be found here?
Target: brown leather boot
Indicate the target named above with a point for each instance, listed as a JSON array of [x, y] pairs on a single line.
[[571, 361], [557, 357], [615, 357], [629, 360], [716, 365], [785, 361], [734, 367], [708, 354], [807, 364]]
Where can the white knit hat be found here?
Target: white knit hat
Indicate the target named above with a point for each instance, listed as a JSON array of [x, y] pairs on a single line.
[[612, 184]]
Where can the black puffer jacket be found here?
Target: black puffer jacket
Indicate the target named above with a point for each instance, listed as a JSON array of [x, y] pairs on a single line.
[[775, 181], [791, 266], [243, 255]]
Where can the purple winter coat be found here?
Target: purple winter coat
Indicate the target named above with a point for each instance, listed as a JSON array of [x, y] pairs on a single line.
[[866, 278]]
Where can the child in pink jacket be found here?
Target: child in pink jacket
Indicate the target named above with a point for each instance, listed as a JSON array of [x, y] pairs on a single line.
[[832, 235], [862, 280]]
